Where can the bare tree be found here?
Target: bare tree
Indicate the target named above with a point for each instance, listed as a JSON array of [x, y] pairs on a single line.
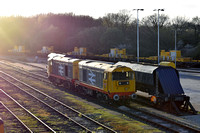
[[152, 21], [180, 23], [120, 20], [195, 24]]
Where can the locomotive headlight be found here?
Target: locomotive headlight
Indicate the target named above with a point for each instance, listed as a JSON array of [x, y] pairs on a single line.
[[133, 96], [116, 97]]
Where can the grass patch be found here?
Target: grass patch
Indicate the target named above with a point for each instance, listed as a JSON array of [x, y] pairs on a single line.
[[119, 123], [29, 120], [42, 113]]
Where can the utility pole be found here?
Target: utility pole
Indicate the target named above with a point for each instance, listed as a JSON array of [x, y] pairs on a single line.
[[138, 55], [175, 47], [158, 35]]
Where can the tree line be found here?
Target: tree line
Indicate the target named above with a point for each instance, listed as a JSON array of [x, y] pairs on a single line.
[[66, 31]]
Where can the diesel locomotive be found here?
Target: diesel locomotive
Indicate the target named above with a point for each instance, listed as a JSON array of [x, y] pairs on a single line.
[[97, 78]]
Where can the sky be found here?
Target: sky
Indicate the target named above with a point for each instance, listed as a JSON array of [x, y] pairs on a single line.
[[96, 9]]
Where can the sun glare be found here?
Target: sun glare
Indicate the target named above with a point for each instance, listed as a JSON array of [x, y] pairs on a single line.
[[20, 8], [95, 8]]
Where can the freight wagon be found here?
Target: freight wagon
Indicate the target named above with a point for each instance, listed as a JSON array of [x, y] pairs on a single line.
[[162, 84]]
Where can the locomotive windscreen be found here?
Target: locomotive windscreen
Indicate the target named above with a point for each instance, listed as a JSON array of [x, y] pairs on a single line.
[[122, 75]]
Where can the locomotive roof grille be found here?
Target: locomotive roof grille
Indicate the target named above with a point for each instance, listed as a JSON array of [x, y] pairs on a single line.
[[89, 61]]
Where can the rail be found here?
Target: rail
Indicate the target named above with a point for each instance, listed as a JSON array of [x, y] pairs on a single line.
[[54, 104]]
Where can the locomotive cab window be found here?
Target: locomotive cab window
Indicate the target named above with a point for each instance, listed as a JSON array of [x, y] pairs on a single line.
[[122, 75]]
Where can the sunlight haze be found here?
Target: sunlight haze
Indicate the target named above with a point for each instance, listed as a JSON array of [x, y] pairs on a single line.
[[96, 9]]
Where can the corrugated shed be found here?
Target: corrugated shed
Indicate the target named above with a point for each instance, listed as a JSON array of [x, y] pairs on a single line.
[[169, 81]]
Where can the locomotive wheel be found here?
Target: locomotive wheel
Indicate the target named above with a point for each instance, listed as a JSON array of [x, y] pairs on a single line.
[[105, 97], [99, 96]]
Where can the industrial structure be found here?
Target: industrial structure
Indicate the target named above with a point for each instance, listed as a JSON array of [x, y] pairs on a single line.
[[46, 50], [19, 49]]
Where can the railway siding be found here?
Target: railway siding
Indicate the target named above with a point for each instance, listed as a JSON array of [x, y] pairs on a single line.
[[24, 115], [170, 124], [95, 111], [63, 110]]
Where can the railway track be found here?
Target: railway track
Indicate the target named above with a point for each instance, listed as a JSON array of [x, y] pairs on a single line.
[[64, 111], [42, 73], [27, 73], [160, 121], [21, 114], [24, 63], [11, 117]]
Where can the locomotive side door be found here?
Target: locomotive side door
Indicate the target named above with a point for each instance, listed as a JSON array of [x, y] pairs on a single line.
[[105, 81], [49, 67]]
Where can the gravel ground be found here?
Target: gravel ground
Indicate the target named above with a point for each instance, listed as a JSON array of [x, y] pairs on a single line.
[[195, 119], [191, 85]]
